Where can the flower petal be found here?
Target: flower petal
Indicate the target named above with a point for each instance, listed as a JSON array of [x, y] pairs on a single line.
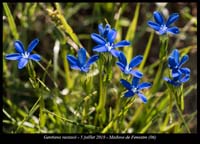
[[82, 56], [183, 60], [14, 56], [98, 39], [75, 67], [92, 60], [185, 70], [112, 35], [142, 97], [101, 29], [144, 85], [171, 62], [158, 18], [175, 54], [126, 84], [135, 61], [100, 48], [185, 78], [35, 57], [121, 66], [106, 30], [135, 81], [122, 44], [72, 60], [129, 93], [136, 73], [19, 46], [173, 30], [22, 63], [32, 45], [122, 58], [167, 79], [154, 25], [85, 69], [114, 52], [172, 18], [175, 73]]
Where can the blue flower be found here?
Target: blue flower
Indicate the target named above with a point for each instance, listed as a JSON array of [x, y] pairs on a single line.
[[161, 27], [106, 44], [24, 56], [80, 62], [179, 74], [135, 88], [128, 68]]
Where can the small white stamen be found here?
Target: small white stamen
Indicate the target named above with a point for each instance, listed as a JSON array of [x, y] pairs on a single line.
[[109, 46], [163, 28], [134, 89], [25, 55], [127, 70]]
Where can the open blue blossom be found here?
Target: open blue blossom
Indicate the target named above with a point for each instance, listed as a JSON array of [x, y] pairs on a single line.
[[80, 62], [24, 56], [135, 88], [161, 27], [107, 44], [128, 68], [179, 74]]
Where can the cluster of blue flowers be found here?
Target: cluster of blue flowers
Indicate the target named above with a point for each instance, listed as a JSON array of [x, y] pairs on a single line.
[[105, 41]]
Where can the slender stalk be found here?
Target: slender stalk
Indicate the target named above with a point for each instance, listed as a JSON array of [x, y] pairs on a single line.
[[182, 118], [102, 93], [162, 54], [147, 49]]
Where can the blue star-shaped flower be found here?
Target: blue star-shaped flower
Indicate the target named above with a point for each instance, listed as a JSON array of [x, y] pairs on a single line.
[[128, 68], [135, 88], [179, 75], [161, 27], [80, 62], [24, 56], [107, 44]]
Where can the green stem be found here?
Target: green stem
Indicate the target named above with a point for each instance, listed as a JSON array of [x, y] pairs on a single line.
[[182, 118], [102, 94], [147, 49], [125, 106], [162, 55]]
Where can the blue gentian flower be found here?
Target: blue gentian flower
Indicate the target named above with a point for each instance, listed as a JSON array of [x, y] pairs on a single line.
[[179, 74], [161, 27], [24, 56], [135, 88], [80, 62], [107, 44], [128, 68]]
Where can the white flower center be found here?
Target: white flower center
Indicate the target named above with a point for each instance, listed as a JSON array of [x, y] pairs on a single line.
[[127, 69], [134, 89], [163, 28], [109, 46], [25, 55]]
